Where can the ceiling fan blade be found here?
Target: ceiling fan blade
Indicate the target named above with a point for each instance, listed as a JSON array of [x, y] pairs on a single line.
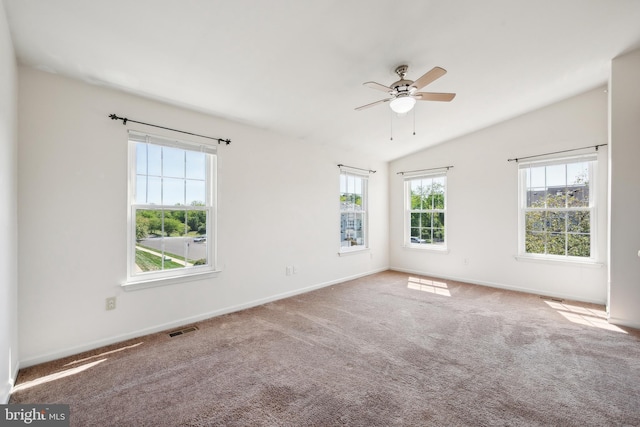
[[377, 86], [433, 96], [430, 76], [373, 103]]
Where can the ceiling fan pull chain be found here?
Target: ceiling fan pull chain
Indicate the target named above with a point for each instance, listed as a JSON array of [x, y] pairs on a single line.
[[414, 122], [391, 124]]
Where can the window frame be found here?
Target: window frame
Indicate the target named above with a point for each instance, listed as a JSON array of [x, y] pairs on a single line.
[[592, 209], [364, 210], [136, 279], [408, 179]]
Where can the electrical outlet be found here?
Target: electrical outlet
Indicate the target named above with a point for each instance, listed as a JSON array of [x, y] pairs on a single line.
[[111, 303]]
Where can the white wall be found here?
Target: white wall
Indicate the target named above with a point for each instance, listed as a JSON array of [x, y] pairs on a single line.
[[8, 211], [278, 206], [624, 203], [482, 216]]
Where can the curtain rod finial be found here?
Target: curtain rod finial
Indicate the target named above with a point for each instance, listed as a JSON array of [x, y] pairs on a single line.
[[114, 117]]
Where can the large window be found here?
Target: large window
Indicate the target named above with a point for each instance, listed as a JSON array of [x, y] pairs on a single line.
[[171, 201], [353, 211], [425, 211], [557, 208]]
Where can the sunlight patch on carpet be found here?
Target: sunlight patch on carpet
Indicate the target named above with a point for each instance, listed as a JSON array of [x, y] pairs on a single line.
[[431, 286], [56, 376], [584, 315], [105, 353]]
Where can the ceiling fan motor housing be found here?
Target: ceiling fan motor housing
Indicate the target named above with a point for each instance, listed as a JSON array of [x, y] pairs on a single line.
[[402, 86]]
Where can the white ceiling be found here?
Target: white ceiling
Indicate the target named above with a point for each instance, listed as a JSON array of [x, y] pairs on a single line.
[[297, 66]]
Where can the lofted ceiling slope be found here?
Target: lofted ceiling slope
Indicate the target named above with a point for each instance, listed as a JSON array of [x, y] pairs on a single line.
[[297, 67]]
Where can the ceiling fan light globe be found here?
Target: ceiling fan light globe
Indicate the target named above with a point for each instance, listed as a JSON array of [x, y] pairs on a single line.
[[402, 105]]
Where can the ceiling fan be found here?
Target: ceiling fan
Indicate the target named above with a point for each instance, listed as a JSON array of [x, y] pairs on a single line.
[[404, 93]]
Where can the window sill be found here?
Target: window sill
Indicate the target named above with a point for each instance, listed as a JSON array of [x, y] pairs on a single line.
[[428, 248], [354, 251], [559, 261], [165, 281]]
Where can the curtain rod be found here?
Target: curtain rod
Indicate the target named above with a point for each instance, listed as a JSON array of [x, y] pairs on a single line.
[[125, 120], [353, 167], [555, 152], [425, 170]]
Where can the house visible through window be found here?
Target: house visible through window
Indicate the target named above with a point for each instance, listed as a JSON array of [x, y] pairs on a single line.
[[353, 211], [425, 211], [171, 199], [557, 208]]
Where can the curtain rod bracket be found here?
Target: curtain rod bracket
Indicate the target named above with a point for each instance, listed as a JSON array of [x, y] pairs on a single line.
[[125, 120]]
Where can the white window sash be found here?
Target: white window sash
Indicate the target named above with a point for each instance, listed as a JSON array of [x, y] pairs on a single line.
[[364, 211], [210, 206], [169, 142], [558, 161], [408, 178], [592, 209]]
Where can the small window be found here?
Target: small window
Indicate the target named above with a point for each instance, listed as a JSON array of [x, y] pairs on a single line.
[[353, 211], [426, 211], [557, 208], [171, 208]]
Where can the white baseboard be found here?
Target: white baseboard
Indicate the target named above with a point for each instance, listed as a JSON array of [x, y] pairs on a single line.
[[501, 286], [5, 390], [624, 322], [184, 321], [5, 393]]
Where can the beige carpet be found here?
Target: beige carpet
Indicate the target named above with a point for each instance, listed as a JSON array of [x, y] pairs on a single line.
[[388, 349]]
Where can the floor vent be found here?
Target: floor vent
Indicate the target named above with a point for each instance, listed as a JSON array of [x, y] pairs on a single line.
[[552, 299], [183, 331]]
